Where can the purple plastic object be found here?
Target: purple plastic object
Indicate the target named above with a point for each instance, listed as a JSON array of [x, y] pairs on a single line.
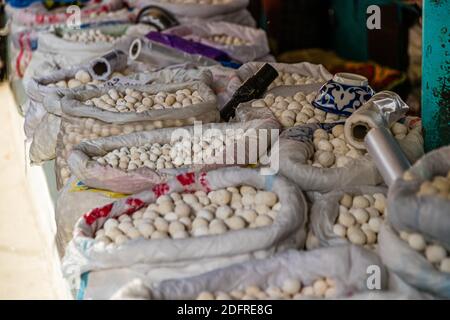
[[188, 46]]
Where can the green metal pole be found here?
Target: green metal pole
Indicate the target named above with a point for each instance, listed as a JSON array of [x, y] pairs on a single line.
[[436, 73]]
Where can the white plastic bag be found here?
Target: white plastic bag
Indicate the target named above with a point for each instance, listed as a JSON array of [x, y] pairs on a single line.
[[296, 147], [428, 214], [43, 144], [27, 23], [256, 45], [42, 96], [83, 122], [44, 100], [410, 265], [325, 211], [55, 52], [95, 175], [37, 88], [34, 114], [104, 284], [138, 288], [287, 230], [74, 200], [347, 265], [73, 104]]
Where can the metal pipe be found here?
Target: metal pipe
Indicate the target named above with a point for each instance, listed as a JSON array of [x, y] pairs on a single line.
[[387, 155]]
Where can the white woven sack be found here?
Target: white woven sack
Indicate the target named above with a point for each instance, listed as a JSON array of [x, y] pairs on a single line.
[[410, 265], [325, 211], [287, 230], [98, 176], [74, 200], [91, 122], [55, 52], [428, 214], [296, 147], [347, 265]]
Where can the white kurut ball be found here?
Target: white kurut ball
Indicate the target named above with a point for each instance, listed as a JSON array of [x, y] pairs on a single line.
[[435, 253], [445, 265], [356, 235], [417, 242], [235, 223], [339, 230], [346, 219], [291, 286]]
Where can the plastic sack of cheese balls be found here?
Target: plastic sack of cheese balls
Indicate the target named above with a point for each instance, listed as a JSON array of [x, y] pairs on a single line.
[[420, 200], [104, 284], [353, 215], [105, 112], [77, 77], [44, 111], [414, 260], [74, 200], [219, 214], [45, 94], [290, 105], [239, 42], [27, 23], [138, 161], [64, 47], [318, 158], [292, 275], [326, 160]]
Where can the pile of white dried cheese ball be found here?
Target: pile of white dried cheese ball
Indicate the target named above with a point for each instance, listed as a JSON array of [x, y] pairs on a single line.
[[137, 101], [438, 187], [179, 216], [290, 289], [184, 152], [227, 40], [434, 253], [360, 218], [153, 156], [214, 2], [332, 149], [89, 129], [295, 110], [292, 79], [89, 36], [81, 77]]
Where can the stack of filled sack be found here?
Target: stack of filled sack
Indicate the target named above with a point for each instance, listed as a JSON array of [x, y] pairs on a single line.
[[159, 198]]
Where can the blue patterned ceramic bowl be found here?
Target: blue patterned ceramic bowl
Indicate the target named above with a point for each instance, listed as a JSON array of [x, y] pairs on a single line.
[[343, 94]]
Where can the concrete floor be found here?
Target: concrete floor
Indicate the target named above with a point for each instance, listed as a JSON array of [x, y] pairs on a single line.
[[29, 264]]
